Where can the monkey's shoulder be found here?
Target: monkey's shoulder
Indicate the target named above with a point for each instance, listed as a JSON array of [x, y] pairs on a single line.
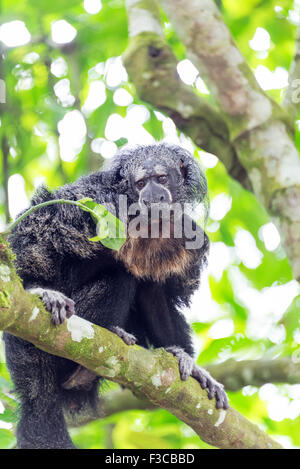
[[63, 228]]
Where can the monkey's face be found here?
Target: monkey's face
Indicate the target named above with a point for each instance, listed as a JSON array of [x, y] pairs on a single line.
[[155, 184], [157, 176]]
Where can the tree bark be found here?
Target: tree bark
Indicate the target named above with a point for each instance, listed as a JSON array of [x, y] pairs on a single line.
[[291, 100], [233, 374], [152, 67], [110, 403]]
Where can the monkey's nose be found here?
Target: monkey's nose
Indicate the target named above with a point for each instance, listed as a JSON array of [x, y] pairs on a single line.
[[146, 202]]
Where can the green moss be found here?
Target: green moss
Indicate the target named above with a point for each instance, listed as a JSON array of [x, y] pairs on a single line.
[[6, 254], [5, 301]]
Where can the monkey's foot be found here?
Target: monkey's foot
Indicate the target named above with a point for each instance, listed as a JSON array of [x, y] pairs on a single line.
[[81, 378], [187, 368], [59, 306], [129, 339]]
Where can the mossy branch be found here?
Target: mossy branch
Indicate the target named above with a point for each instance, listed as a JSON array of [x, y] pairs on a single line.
[[108, 404], [232, 373], [152, 374], [152, 67]]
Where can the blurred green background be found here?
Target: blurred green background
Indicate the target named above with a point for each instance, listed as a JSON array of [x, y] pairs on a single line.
[[69, 106]]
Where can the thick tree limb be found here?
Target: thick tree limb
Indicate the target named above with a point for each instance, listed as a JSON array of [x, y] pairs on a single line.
[[152, 374], [108, 404], [260, 131], [233, 374], [152, 67], [291, 100], [210, 46]]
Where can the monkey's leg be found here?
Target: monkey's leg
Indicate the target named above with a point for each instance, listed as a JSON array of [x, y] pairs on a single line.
[[187, 367], [41, 422], [106, 302]]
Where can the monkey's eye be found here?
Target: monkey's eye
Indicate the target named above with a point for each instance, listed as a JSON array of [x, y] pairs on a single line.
[[183, 170], [140, 184], [162, 179]]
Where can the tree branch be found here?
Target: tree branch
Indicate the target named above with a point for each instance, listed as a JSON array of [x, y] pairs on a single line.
[[236, 374], [291, 99], [152, 67], [211, 48], [152, 374], [260, 131], [233, 374], [108, 404]]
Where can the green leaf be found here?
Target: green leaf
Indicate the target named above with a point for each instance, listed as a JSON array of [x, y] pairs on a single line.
[[110, 230]]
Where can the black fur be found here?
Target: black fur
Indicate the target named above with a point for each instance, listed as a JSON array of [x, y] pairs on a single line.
[[53, 252]]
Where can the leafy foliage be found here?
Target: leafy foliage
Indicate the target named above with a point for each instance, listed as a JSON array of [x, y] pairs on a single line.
[[251, 284]]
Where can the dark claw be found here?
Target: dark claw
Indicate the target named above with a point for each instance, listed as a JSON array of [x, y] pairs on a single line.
[[214, 389], [187, 368], [129, 339], [221, 398]]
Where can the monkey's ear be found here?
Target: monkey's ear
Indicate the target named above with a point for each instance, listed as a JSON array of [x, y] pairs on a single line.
[[194, 178], [108, 178], [112, 176]]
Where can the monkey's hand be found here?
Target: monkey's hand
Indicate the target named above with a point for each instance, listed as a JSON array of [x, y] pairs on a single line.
[[129, 339], [60, 306], [187, 368]]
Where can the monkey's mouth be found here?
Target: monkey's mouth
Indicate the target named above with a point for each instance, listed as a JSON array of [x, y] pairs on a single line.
[[154, 228]]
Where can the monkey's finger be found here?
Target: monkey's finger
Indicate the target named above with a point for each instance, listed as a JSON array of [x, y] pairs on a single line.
[[222, 399], [200, 376], [47, 302], [70, 307], [55, 314], [62, 313], [128, 338], [211, 390], [185, 367], [185, 361], [69, 312]]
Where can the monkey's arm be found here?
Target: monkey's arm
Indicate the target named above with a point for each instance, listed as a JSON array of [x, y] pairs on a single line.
[[43, 242], [166, 327]]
